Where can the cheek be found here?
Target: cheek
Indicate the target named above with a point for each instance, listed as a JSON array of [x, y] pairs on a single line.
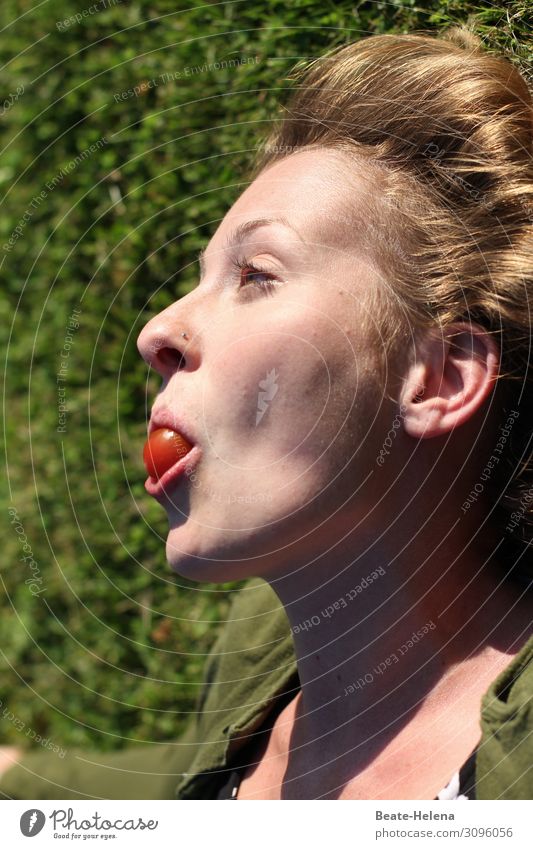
[[278, 394]]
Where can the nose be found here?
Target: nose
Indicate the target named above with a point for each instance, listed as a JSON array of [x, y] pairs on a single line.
[[162, 344]]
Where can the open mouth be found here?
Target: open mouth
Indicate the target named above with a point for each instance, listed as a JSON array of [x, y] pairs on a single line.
[[167, 454]]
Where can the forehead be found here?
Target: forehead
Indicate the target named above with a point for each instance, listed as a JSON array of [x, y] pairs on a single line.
[[323, 193]]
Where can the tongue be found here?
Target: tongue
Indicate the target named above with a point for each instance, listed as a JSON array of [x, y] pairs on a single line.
[[162, 449]]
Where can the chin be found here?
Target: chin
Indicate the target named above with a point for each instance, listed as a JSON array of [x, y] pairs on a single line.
[[217, 563]]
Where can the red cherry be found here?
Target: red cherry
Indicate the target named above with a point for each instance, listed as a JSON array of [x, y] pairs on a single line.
[[162, 449]]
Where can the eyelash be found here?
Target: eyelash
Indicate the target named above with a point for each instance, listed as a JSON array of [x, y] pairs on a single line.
[[242, 264]]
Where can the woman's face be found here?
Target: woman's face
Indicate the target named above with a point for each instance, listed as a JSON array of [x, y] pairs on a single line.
[[279, 382]]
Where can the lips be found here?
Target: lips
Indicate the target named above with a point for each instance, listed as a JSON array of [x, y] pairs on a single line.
[[168, 451], [163, 448], [164, 417]]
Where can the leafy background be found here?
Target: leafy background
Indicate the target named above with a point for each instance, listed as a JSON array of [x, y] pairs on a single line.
[[113, 649]]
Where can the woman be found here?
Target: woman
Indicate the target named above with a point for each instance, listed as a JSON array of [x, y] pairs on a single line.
[[345, 413], [347, 392]]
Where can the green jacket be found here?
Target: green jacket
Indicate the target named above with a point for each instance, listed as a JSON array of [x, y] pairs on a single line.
[[250, 669]]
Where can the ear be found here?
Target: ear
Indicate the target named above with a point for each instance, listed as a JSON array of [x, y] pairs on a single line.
[[454, 373]]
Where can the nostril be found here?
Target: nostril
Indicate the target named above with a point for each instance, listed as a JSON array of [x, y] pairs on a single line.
[[171, 358]]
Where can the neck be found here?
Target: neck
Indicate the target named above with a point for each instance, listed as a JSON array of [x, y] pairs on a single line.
[[385, 629]]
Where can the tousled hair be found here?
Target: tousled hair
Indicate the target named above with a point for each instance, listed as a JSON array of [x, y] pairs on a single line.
[[446, 127]]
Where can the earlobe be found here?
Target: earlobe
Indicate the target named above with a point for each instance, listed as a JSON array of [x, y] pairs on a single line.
[[452, 376]]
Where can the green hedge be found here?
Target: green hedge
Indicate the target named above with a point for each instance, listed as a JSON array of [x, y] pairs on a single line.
[[126, 133]]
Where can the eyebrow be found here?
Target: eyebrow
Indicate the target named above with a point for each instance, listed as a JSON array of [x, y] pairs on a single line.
[[242, 231]]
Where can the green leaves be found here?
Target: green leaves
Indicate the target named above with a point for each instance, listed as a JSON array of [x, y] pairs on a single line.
[[115, 647]]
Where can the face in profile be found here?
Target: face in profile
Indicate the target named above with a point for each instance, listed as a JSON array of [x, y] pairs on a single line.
[[278, 381]]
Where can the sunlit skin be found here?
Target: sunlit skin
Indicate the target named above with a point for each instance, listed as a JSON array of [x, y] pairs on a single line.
[[297, 497], [261, 488]]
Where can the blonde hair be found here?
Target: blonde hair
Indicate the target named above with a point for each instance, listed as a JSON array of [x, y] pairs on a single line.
[[446, 128]]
